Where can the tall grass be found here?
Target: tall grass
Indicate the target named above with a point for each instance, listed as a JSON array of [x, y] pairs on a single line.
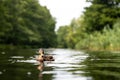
[[108, 39]]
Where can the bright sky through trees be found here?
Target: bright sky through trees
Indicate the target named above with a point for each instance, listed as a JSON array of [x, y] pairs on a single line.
[[64, 10]]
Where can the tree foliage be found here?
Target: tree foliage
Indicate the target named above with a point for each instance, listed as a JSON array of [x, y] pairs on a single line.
[[96, 29], [27, 23], [100, 14], [67, 34]]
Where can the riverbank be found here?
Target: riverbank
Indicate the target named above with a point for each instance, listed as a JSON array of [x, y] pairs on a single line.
[[11, 47]]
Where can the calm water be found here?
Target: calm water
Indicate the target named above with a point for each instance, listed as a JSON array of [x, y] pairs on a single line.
[[68, 65]]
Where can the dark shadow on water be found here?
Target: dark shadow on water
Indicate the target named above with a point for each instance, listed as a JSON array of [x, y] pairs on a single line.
[[20, 65], [103, 65]]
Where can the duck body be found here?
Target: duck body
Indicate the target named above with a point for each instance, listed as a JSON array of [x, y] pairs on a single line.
[[45, 58], [42, 57], [48, 58]]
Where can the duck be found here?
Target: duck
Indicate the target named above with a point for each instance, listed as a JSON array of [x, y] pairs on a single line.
[[42, 57]]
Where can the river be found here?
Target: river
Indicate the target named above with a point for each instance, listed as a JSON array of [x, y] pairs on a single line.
[[68, 65]]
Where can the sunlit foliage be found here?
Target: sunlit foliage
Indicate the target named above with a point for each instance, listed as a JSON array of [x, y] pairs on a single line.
[[97, 29]]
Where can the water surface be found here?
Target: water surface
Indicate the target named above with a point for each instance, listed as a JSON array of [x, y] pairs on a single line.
[[68, 65]]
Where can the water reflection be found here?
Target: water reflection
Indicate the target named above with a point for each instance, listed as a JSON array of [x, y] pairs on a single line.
[[22, 64], [105, 65], [66, 61], [15, 65], [68, 65], [40, 68]]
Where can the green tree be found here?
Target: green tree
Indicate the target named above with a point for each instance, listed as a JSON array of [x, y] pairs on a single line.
[[97, 29], [26, 22], [61, 35], [100, 14], [68, 35]]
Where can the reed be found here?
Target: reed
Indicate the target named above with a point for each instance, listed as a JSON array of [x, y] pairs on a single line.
[[108, 39]]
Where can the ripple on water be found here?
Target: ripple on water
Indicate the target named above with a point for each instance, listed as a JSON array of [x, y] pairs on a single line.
[[17, 57], [65, 64]]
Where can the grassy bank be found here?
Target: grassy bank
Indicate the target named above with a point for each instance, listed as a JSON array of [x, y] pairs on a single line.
[[108, 39]]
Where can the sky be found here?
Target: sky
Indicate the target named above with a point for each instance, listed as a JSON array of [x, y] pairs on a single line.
[[64, 10]]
